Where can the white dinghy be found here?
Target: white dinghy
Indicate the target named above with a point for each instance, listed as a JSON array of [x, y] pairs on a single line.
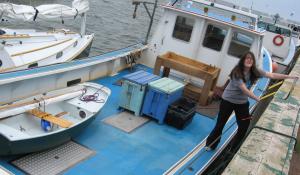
[[51, 118], [28, 48]]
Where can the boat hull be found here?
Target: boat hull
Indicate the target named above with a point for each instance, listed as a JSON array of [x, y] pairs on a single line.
[[8, 147], [85, 53]]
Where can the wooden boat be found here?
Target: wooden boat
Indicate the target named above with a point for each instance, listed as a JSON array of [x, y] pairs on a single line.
[[28, 48], [50, 118]]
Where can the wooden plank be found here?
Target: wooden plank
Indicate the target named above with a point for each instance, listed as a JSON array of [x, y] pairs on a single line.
[[14, 36], [61, 114], [188, 61], [208, 73], [19, 104], [158, 64], [51, 118], [205, 91], [41, 48]]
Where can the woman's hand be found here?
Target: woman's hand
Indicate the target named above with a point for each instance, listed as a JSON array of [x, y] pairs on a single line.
[[256, 98], [249, 93]]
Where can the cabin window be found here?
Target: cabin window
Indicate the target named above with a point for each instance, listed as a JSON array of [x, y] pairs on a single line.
[[183, 28], [214, 37], [73, 82], [240, 44], [75, 44], [33, 65], [274, 28], [59, 54]]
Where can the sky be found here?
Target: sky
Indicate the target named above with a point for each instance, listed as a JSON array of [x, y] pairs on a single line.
[[289, 9]]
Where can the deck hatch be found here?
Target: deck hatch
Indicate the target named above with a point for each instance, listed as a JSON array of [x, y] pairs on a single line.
[[53, 161], [126, 121]]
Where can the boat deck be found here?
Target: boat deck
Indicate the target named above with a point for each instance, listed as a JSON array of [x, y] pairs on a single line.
[[150, 149]]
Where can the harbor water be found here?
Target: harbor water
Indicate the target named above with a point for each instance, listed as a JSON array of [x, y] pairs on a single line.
[[110, 20]]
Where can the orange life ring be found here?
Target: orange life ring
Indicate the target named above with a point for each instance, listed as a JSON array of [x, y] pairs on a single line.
[[278, 40]]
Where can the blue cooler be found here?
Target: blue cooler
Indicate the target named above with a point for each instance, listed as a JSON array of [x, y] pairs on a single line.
[[160, 94], [133, 90]]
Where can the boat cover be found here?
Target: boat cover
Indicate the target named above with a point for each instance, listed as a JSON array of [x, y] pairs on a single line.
[[43, 12]]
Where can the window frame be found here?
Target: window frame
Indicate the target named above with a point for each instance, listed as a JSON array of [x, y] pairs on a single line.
[[220, 27], [239, 32], [193, 26]]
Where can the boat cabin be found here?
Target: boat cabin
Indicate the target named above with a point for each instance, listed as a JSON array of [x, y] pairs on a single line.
[[277, 39], [214, 34], [295, 33]]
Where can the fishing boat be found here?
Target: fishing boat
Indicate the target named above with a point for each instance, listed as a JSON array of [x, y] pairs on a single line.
[[190, 33], [281, 44], [295, 33], [28, 48], [51, 118]]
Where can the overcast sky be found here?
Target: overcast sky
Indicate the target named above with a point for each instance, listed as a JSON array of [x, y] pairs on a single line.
[[284, 7]]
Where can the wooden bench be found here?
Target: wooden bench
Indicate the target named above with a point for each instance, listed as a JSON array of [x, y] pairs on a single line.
[[194, 93], [191, 67], [51, 118]]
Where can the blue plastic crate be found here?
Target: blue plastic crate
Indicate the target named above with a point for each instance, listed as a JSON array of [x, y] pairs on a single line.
[[160, 94], [133, 90]]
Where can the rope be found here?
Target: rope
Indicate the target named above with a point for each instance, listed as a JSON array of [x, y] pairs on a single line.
[[36, 14], [276, 132], [76, 13], [174, 2], [275, 85], [94, 97]]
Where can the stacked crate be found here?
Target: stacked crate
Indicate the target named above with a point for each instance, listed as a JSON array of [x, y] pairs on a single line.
[[160, 94], [133, 90]]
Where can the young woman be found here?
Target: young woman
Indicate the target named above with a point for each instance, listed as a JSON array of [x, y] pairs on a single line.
[[235, 98]]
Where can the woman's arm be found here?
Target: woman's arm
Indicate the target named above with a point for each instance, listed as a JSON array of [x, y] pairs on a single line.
[[246, 91], [279, 76]]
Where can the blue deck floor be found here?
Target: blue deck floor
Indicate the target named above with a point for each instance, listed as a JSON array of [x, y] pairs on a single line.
[[150, 149]]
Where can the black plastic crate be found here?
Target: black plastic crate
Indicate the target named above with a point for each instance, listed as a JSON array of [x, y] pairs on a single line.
[[180, 113]]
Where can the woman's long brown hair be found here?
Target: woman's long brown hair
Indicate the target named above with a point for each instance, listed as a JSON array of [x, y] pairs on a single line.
[[238, 70]]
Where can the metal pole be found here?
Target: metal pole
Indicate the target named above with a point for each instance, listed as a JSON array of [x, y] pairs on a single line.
[[151, 21], [83, 23]]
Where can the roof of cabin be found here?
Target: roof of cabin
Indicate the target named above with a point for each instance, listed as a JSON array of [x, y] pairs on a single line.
[[219, 13]]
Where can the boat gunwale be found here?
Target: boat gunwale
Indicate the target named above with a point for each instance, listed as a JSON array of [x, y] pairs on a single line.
[[14, 76]]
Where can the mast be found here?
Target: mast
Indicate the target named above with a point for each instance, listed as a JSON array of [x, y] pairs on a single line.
[[83, 24]]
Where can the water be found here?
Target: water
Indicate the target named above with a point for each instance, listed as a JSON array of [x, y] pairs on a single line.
[[110, 20]]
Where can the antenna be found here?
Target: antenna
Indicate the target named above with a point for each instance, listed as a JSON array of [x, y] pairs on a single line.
[[251, 7]]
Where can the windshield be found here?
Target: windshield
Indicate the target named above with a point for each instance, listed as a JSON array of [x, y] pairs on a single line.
[[274, 29]]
